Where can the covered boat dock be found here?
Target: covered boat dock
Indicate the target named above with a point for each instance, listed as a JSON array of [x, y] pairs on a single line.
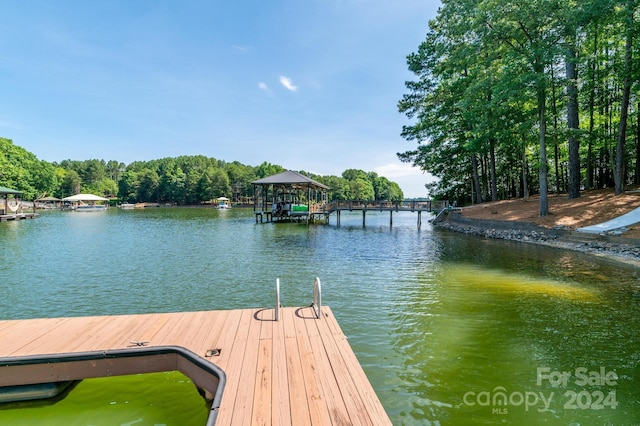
[[11, 208], [289, 196], [85, 202]]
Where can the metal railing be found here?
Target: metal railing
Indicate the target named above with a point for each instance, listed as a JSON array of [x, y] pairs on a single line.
[[317, 297], [316, 304], [278, 305], [406, 205]]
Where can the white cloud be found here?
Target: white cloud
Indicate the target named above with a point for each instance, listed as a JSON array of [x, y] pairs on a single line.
[[286, 82], [240, 49], [263, 86], [411, 179], [398, 170]]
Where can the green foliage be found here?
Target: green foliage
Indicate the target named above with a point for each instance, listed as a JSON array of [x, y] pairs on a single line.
[[71, 184], [490, 85], [181, 180], [22, 171]]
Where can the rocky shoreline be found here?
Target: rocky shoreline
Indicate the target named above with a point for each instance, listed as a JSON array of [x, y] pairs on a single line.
[[612, 247]]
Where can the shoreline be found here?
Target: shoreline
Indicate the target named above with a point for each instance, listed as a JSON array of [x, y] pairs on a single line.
[[616, 248]]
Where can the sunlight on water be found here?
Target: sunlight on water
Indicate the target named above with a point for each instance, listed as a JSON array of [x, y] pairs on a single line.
[[482, 279], [468, 333]]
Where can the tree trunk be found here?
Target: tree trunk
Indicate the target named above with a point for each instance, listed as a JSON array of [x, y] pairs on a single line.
[[556, 148], [483, 176], [494, 183], [541, 95], [592, 101], [525, 175], [637, 174], [476, 178], [618, 174], [573, 188]]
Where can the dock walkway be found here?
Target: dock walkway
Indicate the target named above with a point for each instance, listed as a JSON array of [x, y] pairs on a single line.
[[18, 216], [296, 371]]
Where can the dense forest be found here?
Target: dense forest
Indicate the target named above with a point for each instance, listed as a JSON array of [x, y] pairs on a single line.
[[182, 180], [513, 98]]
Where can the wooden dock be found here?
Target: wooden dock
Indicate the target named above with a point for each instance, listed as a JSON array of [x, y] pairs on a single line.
[[299, 370], [419, 206], [17, 216], [318, 212]]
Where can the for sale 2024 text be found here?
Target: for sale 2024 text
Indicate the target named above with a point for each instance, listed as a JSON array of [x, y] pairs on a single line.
[[595, 392]]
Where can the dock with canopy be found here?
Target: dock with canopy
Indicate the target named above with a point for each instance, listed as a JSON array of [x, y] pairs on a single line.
[[48, 202], [11, 207], [289, 196], [85, 202]]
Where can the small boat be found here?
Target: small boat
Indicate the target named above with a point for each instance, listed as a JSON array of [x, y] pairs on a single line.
[[127, 206], [223, 203], [91, 207]]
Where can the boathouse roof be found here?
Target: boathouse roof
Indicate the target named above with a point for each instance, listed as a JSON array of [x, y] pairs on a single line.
[[289, 178], [85, 197], [5, 190]]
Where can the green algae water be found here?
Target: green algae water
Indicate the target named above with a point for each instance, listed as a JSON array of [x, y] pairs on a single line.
[[143, 399], [450, 329]]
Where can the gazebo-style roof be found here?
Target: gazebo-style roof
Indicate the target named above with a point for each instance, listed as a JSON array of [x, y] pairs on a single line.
[[290, 178], [289, 195], [5, 190]]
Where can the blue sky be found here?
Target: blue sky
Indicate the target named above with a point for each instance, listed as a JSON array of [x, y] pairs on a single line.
[[307, 84]]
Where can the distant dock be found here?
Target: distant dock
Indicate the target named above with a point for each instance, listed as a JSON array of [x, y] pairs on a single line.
[[299, 370], [419, 206], [18, 216], [322, 212]]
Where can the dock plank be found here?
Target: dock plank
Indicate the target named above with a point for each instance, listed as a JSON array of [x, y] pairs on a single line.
[[318, 410], [347, 387], [15, 339], [243, 407], [233, 360], [372, 403], [296, 371], [281, 407], [262, 402]]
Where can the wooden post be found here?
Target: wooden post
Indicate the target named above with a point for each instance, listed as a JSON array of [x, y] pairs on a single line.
[[364, 215], [419, 218], [390, 218]]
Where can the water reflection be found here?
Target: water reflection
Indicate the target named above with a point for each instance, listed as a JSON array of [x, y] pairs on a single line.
[[431, 315]]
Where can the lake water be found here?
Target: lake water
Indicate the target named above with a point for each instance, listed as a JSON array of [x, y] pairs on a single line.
[[450, 329]]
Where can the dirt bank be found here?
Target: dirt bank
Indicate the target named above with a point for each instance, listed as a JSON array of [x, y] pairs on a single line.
[[519, 220]]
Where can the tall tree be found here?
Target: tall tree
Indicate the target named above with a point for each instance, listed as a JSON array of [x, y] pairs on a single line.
[[619, 172], [529, 31]]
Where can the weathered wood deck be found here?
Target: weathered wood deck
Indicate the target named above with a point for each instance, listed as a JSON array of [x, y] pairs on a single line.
[[18, 216], [296, 371]]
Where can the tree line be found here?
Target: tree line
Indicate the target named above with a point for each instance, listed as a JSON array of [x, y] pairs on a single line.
[[506, 88], [183, 180]]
